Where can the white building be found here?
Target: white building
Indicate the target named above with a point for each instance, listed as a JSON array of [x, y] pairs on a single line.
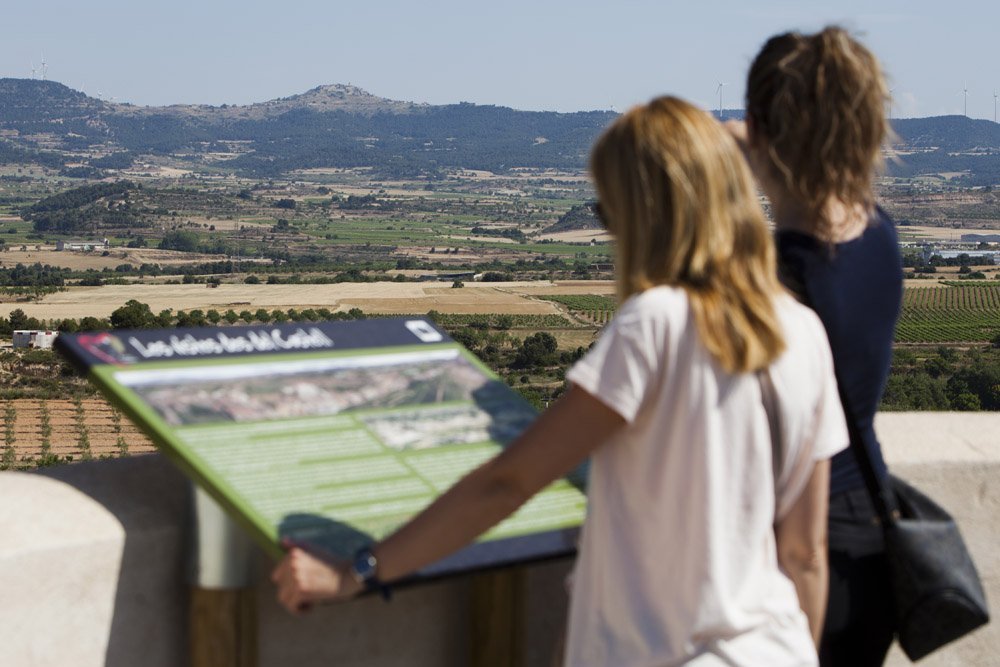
[[36, 338], [85, 246]]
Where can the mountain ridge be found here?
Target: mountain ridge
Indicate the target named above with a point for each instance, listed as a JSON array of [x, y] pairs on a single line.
[[338, 125]]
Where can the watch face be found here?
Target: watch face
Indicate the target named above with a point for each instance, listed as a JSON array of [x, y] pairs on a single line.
[[364, 566]]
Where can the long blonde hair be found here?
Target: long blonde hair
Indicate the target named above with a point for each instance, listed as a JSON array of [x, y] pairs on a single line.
[[677, 195], [819, 102]]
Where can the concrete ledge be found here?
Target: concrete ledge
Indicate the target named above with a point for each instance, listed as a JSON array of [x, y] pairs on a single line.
[[90, 565], [93, 572], [954, 457]]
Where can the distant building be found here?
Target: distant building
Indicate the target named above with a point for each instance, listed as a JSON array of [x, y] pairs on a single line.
[[35, 338], [85, 246], [990, 256], [981, 238]]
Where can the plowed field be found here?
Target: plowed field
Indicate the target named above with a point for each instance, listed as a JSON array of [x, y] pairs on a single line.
[[90, 428]]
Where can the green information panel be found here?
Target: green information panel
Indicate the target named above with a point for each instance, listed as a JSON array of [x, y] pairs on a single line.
[[331, 433]]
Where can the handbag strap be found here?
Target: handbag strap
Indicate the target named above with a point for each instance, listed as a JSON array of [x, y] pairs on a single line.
[[881, 495], [769, 399]]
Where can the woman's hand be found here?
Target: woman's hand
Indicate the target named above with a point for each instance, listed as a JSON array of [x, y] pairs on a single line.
[[304, 579]]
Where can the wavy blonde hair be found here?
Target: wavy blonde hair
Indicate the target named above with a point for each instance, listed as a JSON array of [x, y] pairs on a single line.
[[819, 102], [677, 195]]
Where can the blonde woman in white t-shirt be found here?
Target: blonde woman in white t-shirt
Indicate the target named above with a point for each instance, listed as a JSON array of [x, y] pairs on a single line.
[[692, 551]]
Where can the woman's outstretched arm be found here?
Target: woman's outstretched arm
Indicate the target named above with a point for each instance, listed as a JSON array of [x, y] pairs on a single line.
[[559, 440]]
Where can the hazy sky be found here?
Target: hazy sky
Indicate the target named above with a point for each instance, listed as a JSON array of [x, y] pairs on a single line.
[[544, 54]]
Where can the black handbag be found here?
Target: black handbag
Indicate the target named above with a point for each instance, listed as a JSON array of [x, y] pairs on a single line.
[[937, 592]]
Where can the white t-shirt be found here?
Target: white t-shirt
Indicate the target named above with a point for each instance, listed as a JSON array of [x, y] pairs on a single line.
[[677, 560]]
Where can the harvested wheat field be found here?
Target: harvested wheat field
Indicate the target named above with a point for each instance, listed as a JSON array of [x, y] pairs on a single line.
[[579, 236], [513, 298], [81, 261], [88, 428]]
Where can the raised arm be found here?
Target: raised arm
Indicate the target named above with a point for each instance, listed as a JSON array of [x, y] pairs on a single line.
[[802, 549], [560, 439]]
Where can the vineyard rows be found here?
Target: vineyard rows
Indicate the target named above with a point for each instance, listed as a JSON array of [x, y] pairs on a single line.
[[58, 430], [584, 302], [965, 313], [950, 314], [592, 308]]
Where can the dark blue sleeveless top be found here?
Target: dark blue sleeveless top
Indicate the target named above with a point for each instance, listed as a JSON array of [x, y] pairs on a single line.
[[856, 288]]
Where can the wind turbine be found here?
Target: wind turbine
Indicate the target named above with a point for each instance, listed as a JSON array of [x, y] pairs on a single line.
[[45, 68], [994, 106], [891, 90], [33, 70], [719, 91], [965, 109]]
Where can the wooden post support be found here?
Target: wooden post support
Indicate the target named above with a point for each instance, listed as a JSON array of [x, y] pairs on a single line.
[[223, 609], [223, 630], [497, 623]]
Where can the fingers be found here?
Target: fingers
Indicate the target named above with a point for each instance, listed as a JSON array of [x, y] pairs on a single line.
[[291, 578], [303, 579], [285, 577]]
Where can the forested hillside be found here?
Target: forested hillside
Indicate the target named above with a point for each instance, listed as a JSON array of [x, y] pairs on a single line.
[[47, 123]]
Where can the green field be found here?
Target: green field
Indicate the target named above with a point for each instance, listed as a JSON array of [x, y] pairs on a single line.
[[598, 309], [950, 314]]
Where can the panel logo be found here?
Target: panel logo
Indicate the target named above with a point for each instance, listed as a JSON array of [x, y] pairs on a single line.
[[424, 331], [108, 348]]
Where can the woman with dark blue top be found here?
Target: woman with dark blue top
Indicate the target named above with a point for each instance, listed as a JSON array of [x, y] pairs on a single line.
[[814, 132]]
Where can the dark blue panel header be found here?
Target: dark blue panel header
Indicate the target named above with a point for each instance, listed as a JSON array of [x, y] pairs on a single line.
[[130, 346]]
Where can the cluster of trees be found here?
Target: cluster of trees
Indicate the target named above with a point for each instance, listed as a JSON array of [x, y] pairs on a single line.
[[963, 259], [34, 275], [946, 379], [580, 216], [357, 202], [535, 366], [84, 208], [507, 232], [180, 239], [121, 160], [77, 197], [81, 171], [138, 315]]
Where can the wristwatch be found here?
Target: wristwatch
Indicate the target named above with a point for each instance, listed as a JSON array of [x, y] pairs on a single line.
[[364, 570]]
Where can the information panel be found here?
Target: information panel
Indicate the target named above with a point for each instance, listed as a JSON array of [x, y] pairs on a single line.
[[333, 433]]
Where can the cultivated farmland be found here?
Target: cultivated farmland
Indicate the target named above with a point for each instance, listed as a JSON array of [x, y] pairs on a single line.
[[950, 314], [58, 430]]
